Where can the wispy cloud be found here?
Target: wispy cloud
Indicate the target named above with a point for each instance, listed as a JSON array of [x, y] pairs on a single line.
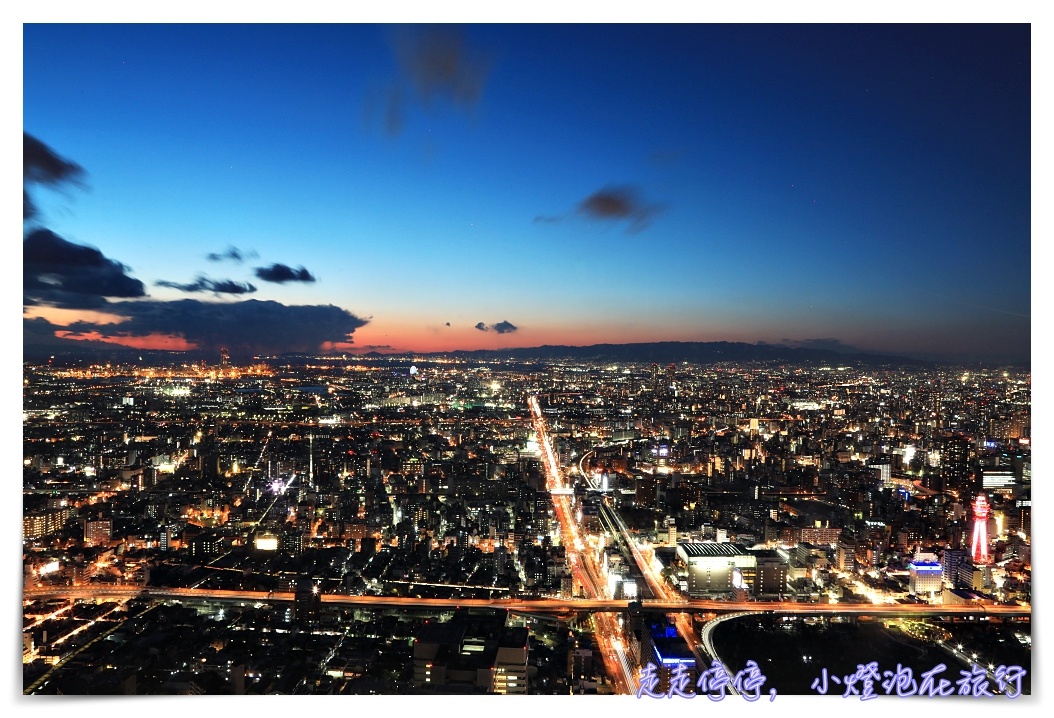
[[41, 165], [232, 253], [204, 284], [612, 204], [437, 65]]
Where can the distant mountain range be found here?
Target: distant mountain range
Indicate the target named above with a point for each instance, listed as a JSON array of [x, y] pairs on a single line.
[[693, 352]]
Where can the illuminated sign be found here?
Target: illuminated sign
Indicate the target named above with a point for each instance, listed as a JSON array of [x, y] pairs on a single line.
[[672, 660], [926, 567]]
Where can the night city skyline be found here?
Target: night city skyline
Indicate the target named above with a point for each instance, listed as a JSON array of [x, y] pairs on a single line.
[[608, 357], [401, 189]]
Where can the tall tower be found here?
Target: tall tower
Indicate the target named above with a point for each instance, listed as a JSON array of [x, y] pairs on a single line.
[[979, 544], [225, 358]]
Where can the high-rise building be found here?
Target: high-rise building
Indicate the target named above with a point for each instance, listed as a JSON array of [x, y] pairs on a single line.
[[770, 578], [998, 480], [846, 556], [951, 559], [955, 472], [44, 523], [924, 577], [1024, 509], [307, 601], [225, 358], [664, 648]]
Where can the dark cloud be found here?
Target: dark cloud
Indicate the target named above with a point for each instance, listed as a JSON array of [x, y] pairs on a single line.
[[440, 64], [204, 284], [39, 332], [41, 165], [502, 327], [619, 203], [59, 273], [280, 274], [233, 253], [229, 286], [611, 204], [247, 327]]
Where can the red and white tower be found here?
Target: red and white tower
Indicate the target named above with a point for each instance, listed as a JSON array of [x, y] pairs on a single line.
[[979, 545]]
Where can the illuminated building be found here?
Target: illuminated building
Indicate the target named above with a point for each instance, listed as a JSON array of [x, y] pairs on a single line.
[[97, 531], [951, 559], [646, 490], [165, 539], [846, 557], [818, 535], [908, 540], [973, 576], [711, 566], [44, 523], [292, 542], [266, 542], [307, 601], [924, 577], [884, 471], [205, 544], [473, 653], [770, 579], [1020, 426], [225, 358], [979, 542], [1024, 509], [664, 648], [998, 480], [955, 455]]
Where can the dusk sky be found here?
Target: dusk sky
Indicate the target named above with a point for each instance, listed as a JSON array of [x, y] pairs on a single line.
[[372, 187]]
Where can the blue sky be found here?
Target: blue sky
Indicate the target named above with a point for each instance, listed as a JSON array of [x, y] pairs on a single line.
[[867, 185]]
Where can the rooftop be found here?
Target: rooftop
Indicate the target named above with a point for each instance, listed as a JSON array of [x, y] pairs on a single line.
[[693, 550]]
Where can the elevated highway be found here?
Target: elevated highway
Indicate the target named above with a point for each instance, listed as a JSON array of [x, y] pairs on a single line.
[[549, 606]]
